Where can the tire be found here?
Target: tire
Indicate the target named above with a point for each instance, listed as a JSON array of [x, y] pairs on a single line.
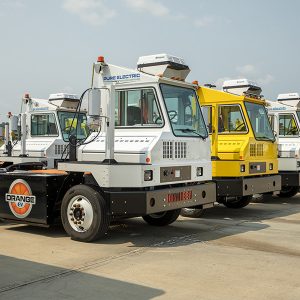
[[237, 202], [288, 192], [84, 213], [192, 212], [163, 218]]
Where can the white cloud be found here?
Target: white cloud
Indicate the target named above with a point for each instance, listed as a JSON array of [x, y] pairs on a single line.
[[219, 82], [247, 69], [267, 79], [253, 73], [92, 12], [204, 21], [149, 6]]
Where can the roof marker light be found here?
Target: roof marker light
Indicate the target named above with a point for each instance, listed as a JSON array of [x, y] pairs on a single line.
[[100, 59]]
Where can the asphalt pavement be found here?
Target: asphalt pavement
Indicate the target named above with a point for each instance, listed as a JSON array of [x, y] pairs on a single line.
[[250, 253]]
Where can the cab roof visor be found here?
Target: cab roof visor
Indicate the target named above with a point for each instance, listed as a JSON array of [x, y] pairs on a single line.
[[242, 87], [292, 99], [163, 65], [63, 100]]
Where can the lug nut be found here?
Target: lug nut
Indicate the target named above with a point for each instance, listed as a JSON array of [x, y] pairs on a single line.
[[72, 208], [75, 222], [79, 222], [74, 205], [71, 214], [72, 219], [83, 214]]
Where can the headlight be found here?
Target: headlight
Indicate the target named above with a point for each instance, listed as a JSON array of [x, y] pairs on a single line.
[[148, 175], [270, 166], [199, 171], [243, 168], [298, 164]]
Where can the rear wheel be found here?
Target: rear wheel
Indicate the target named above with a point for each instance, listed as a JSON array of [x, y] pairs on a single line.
[[192, 212], [237, 202], [84, 214], [162, 218], [288, 191]]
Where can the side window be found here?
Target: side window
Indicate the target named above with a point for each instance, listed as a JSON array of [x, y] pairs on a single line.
[[137, 108], [207, 115], [230, 119], [43, 125], [288, 125]]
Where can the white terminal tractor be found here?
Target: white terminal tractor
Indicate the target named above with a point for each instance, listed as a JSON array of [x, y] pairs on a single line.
[[150, 156], [39, 136], [285, 119]]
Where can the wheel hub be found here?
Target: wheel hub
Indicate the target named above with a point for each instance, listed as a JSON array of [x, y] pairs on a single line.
[[80, 213]]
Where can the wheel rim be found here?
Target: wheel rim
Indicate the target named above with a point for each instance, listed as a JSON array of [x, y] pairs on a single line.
[[80, 213], [286, 189], [190, 210], [157, 215], [234, 199]]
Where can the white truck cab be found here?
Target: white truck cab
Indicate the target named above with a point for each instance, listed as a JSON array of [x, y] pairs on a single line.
[[284, 116], [150, 157], [45, 135]]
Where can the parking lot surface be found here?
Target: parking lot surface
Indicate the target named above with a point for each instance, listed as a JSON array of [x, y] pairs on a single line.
[[251, 253]]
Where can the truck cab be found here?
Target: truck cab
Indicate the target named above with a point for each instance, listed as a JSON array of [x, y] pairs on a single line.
[[284, 115], [244, 149], [49, 125]]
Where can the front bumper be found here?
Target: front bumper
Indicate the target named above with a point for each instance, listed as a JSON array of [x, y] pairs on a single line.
[[138, 203], [244, 186], [291, 178]]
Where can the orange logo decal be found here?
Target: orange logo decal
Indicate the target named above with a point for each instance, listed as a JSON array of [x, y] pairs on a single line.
[[20, 198]]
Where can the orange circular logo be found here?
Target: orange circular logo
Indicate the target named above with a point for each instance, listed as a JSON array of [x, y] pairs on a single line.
[[20, 198]]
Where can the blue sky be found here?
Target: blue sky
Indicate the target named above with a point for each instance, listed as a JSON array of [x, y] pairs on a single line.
[[49, 46]]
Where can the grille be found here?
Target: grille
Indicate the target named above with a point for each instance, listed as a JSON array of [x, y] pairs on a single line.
[[168, 149], [260, 150], [59, 149], [256, 149], [180, 149], [173, 149], [252, 150]]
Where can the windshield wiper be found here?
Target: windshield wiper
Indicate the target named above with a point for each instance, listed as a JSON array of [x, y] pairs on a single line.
[[266, 138], [191, 130]]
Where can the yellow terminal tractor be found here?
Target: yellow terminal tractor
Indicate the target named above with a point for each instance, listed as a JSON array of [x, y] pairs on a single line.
[[243, 146]]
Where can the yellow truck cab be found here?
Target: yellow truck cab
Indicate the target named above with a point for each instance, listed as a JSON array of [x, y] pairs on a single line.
[[243, 146]]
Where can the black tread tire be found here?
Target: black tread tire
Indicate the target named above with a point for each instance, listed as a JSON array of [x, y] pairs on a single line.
[[289, 192], [239, 202], [101, 219], [166, 218], [192, 212]]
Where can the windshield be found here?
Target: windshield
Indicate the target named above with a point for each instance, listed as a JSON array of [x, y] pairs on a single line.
[[184, 111], [259, 121], [69, 121]]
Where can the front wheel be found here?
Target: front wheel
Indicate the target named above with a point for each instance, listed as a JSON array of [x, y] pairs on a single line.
[[84, 214], [288, 191], [192, 212], [162, 218], [237, 202]]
